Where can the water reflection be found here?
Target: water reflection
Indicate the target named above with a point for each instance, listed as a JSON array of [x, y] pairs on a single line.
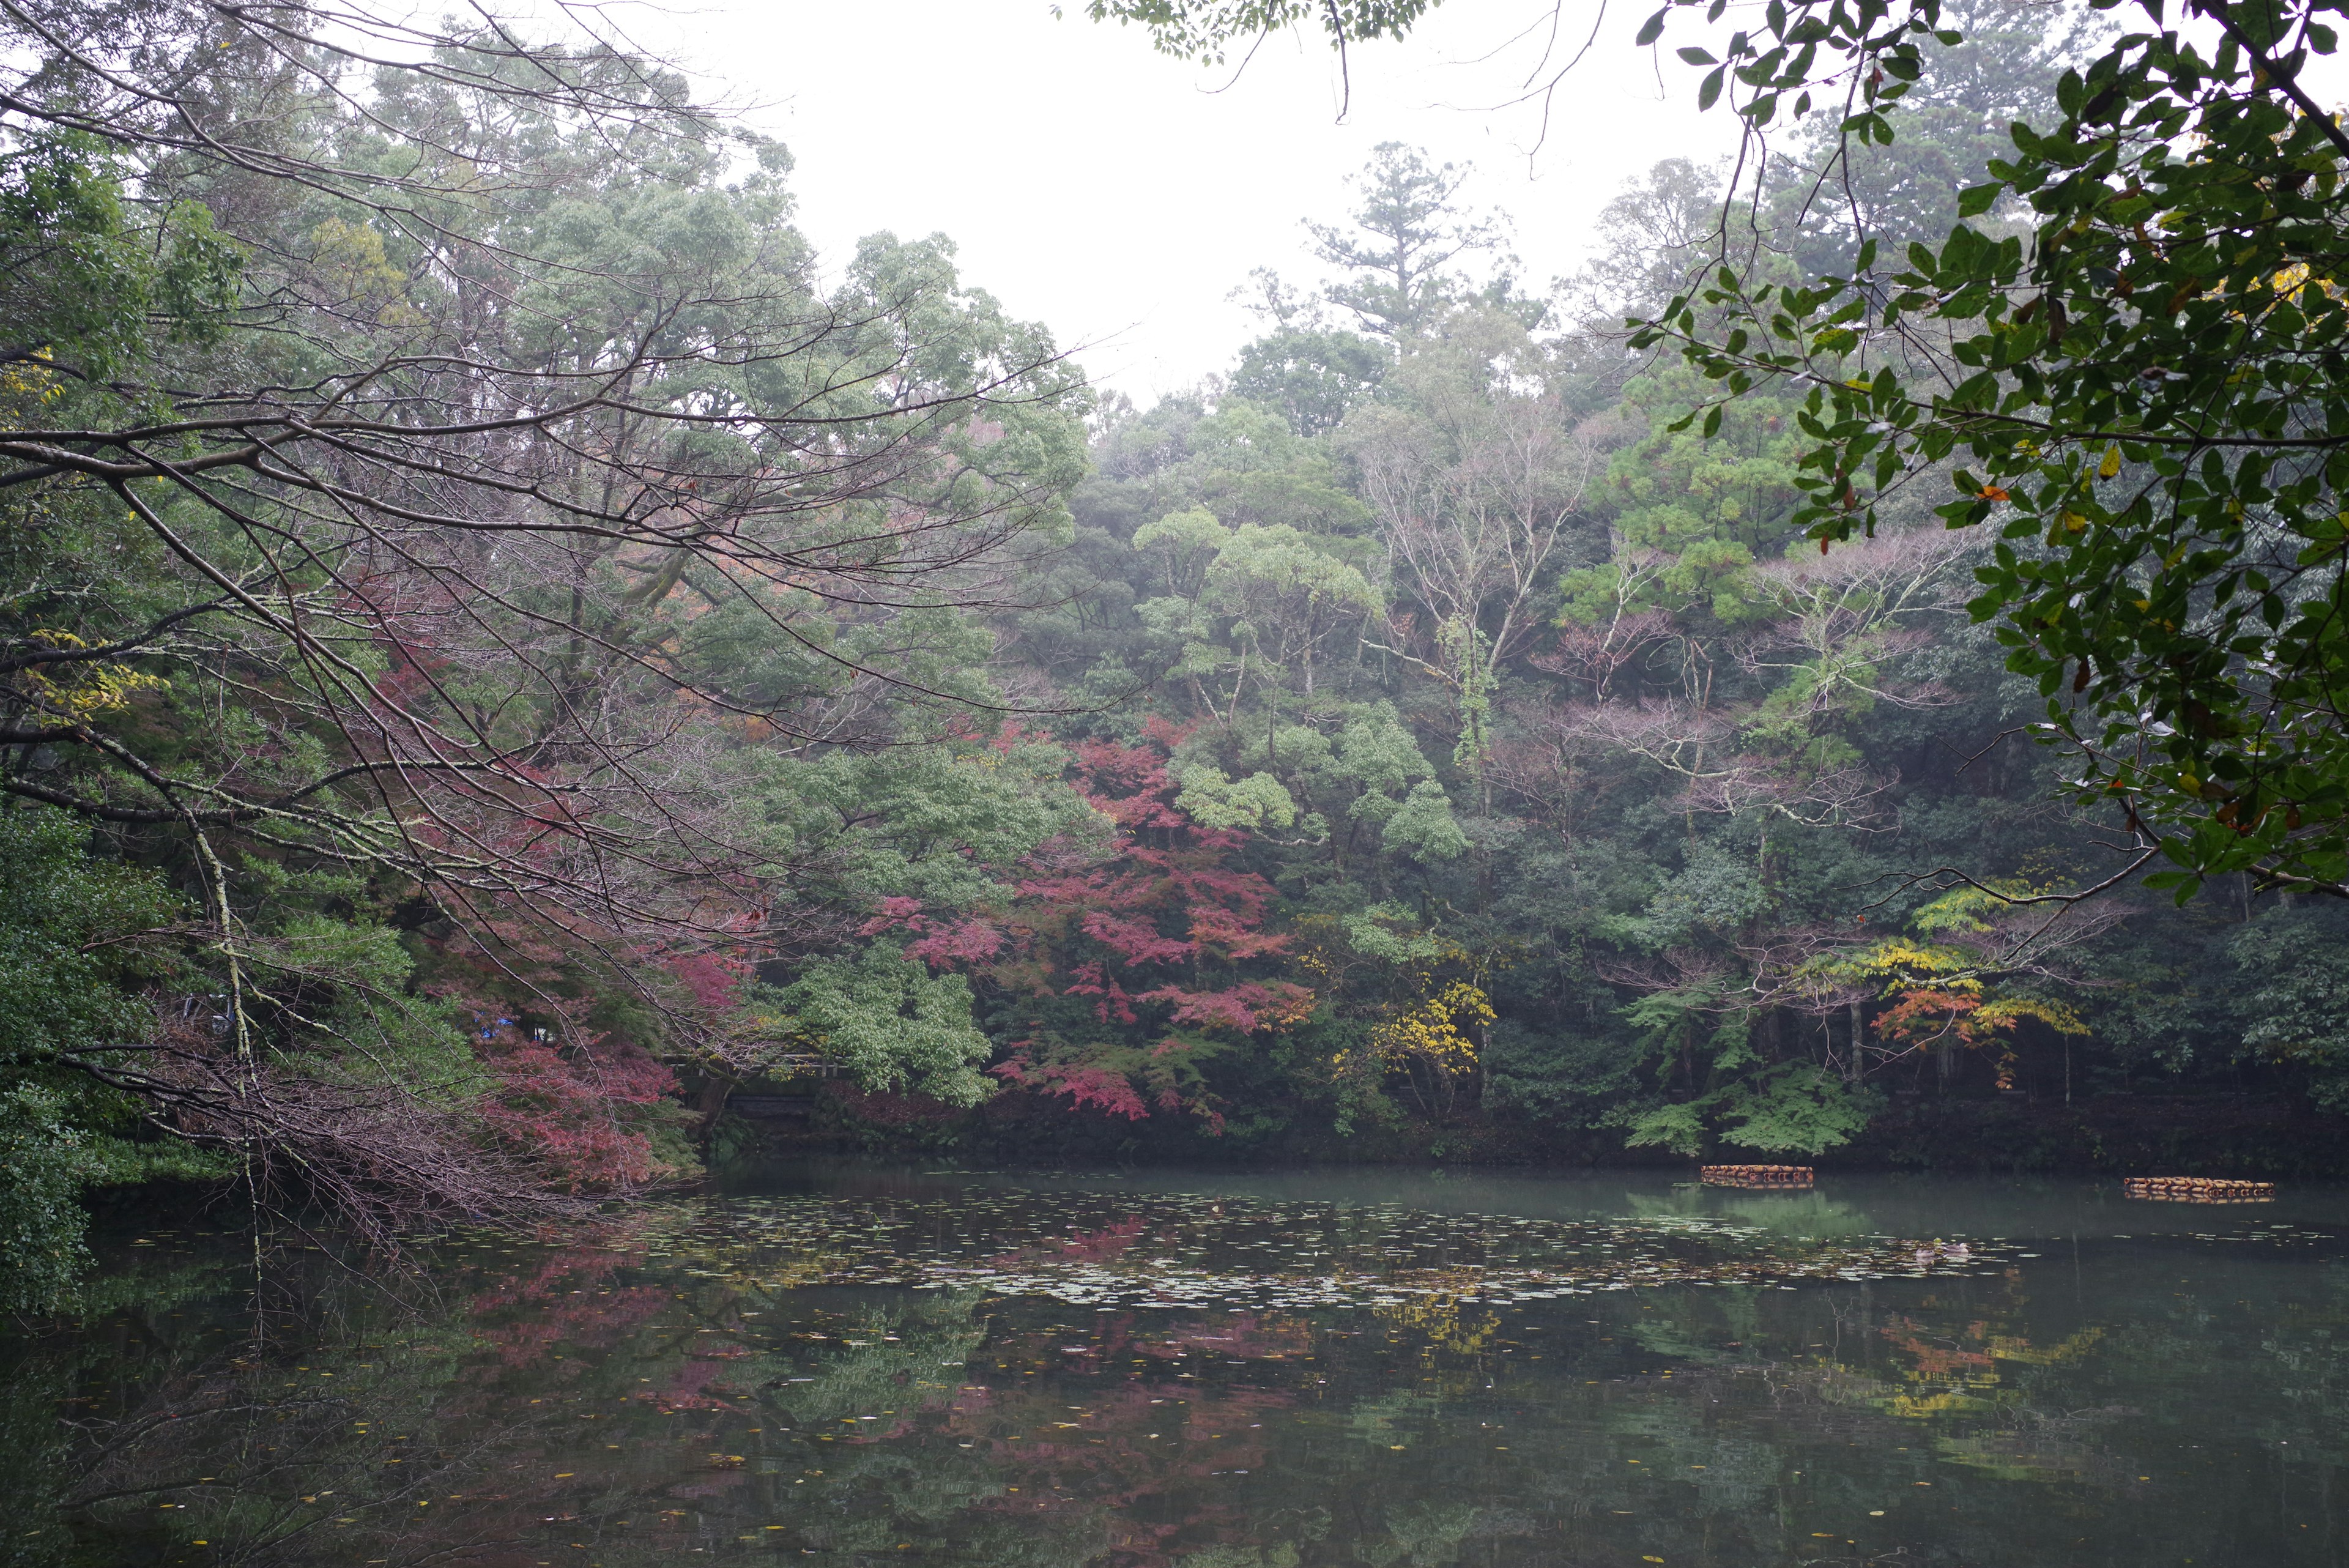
[[2168, 1394]]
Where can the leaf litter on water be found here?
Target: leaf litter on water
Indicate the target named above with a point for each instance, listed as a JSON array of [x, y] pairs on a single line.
[[1105, 1249]]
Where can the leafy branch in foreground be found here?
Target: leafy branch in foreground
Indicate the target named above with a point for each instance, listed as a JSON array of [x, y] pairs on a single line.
[[2131, 364]]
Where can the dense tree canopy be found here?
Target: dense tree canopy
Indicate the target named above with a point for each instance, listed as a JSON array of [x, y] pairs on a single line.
[[2129, 364]]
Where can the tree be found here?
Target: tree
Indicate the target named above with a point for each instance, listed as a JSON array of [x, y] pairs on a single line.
[[1477, 468], [1314, 376], [2137, 397], [2292, 959], [2138, 391], [1119, 971], [1264, 601], [437, 496], [1651, 236], [1829, 191], [1407, 232]]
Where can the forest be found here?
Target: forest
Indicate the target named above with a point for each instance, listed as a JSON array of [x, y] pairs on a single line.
[[522, 683]]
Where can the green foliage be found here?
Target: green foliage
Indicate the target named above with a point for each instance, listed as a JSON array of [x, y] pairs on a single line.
[[1443, 727], [941, 823], [1556, 1077], [1795, 1108], [43, 1166], [1315, 378], [1212, 799], [66, 985], [1421, 824], [891, 1022], [89, 281], [70, 977], [2135, 399], [1206, 29], [2297, 964], [412, 798]]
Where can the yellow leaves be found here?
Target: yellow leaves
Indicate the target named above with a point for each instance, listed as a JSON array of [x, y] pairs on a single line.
[[1899, 953], [82, 689], [2074, 522], [2007, 1010], [1922, 1407], [1436, 1318], [32, 379], [1431, 1030], [1898, 961], [1992, 492], [2111, 464], [2011, 1347]]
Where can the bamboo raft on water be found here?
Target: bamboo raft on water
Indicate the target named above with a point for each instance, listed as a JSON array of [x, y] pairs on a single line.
[[2197, 1189], [1755, 1175]]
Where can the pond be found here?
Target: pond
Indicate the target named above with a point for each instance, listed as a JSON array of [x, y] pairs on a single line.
[[871, 1364]]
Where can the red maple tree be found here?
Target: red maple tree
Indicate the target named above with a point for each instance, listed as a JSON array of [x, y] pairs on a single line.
[[1159, 929]]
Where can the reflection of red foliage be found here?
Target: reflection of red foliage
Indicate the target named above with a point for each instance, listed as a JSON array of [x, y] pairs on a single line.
[[1243, 1334], [1122, 1450], [566, 1302], [1937, 1361], [699, 1384], [1089, 1246]]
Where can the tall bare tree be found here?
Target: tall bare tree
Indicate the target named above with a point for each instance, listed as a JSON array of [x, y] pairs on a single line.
[[1477, 469]]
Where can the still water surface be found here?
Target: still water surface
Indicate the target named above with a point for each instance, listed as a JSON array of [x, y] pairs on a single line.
[[869, 1364]]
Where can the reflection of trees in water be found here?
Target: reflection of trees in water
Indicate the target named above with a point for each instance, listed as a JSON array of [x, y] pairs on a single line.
[[1811, 1215], [377, 1434], [642, 1410]]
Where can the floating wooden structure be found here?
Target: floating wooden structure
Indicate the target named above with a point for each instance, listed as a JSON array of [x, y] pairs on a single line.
[[1757, 1175], [2197, 1189]]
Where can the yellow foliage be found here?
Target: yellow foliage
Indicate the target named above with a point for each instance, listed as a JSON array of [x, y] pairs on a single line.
[[31, 381], [2006, 1009], [1430, 1030], [1902, 961], [1437, 1317], [349, 262], [2006, 1348], [81, 690]]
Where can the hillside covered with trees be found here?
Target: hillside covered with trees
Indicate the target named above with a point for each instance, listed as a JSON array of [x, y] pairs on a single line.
[[505, 650]]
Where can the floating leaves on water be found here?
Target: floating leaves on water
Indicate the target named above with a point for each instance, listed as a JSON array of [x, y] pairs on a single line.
[[1118, 1250]]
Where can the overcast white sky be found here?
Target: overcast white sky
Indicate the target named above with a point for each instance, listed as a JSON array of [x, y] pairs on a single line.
[[1113, 194]]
